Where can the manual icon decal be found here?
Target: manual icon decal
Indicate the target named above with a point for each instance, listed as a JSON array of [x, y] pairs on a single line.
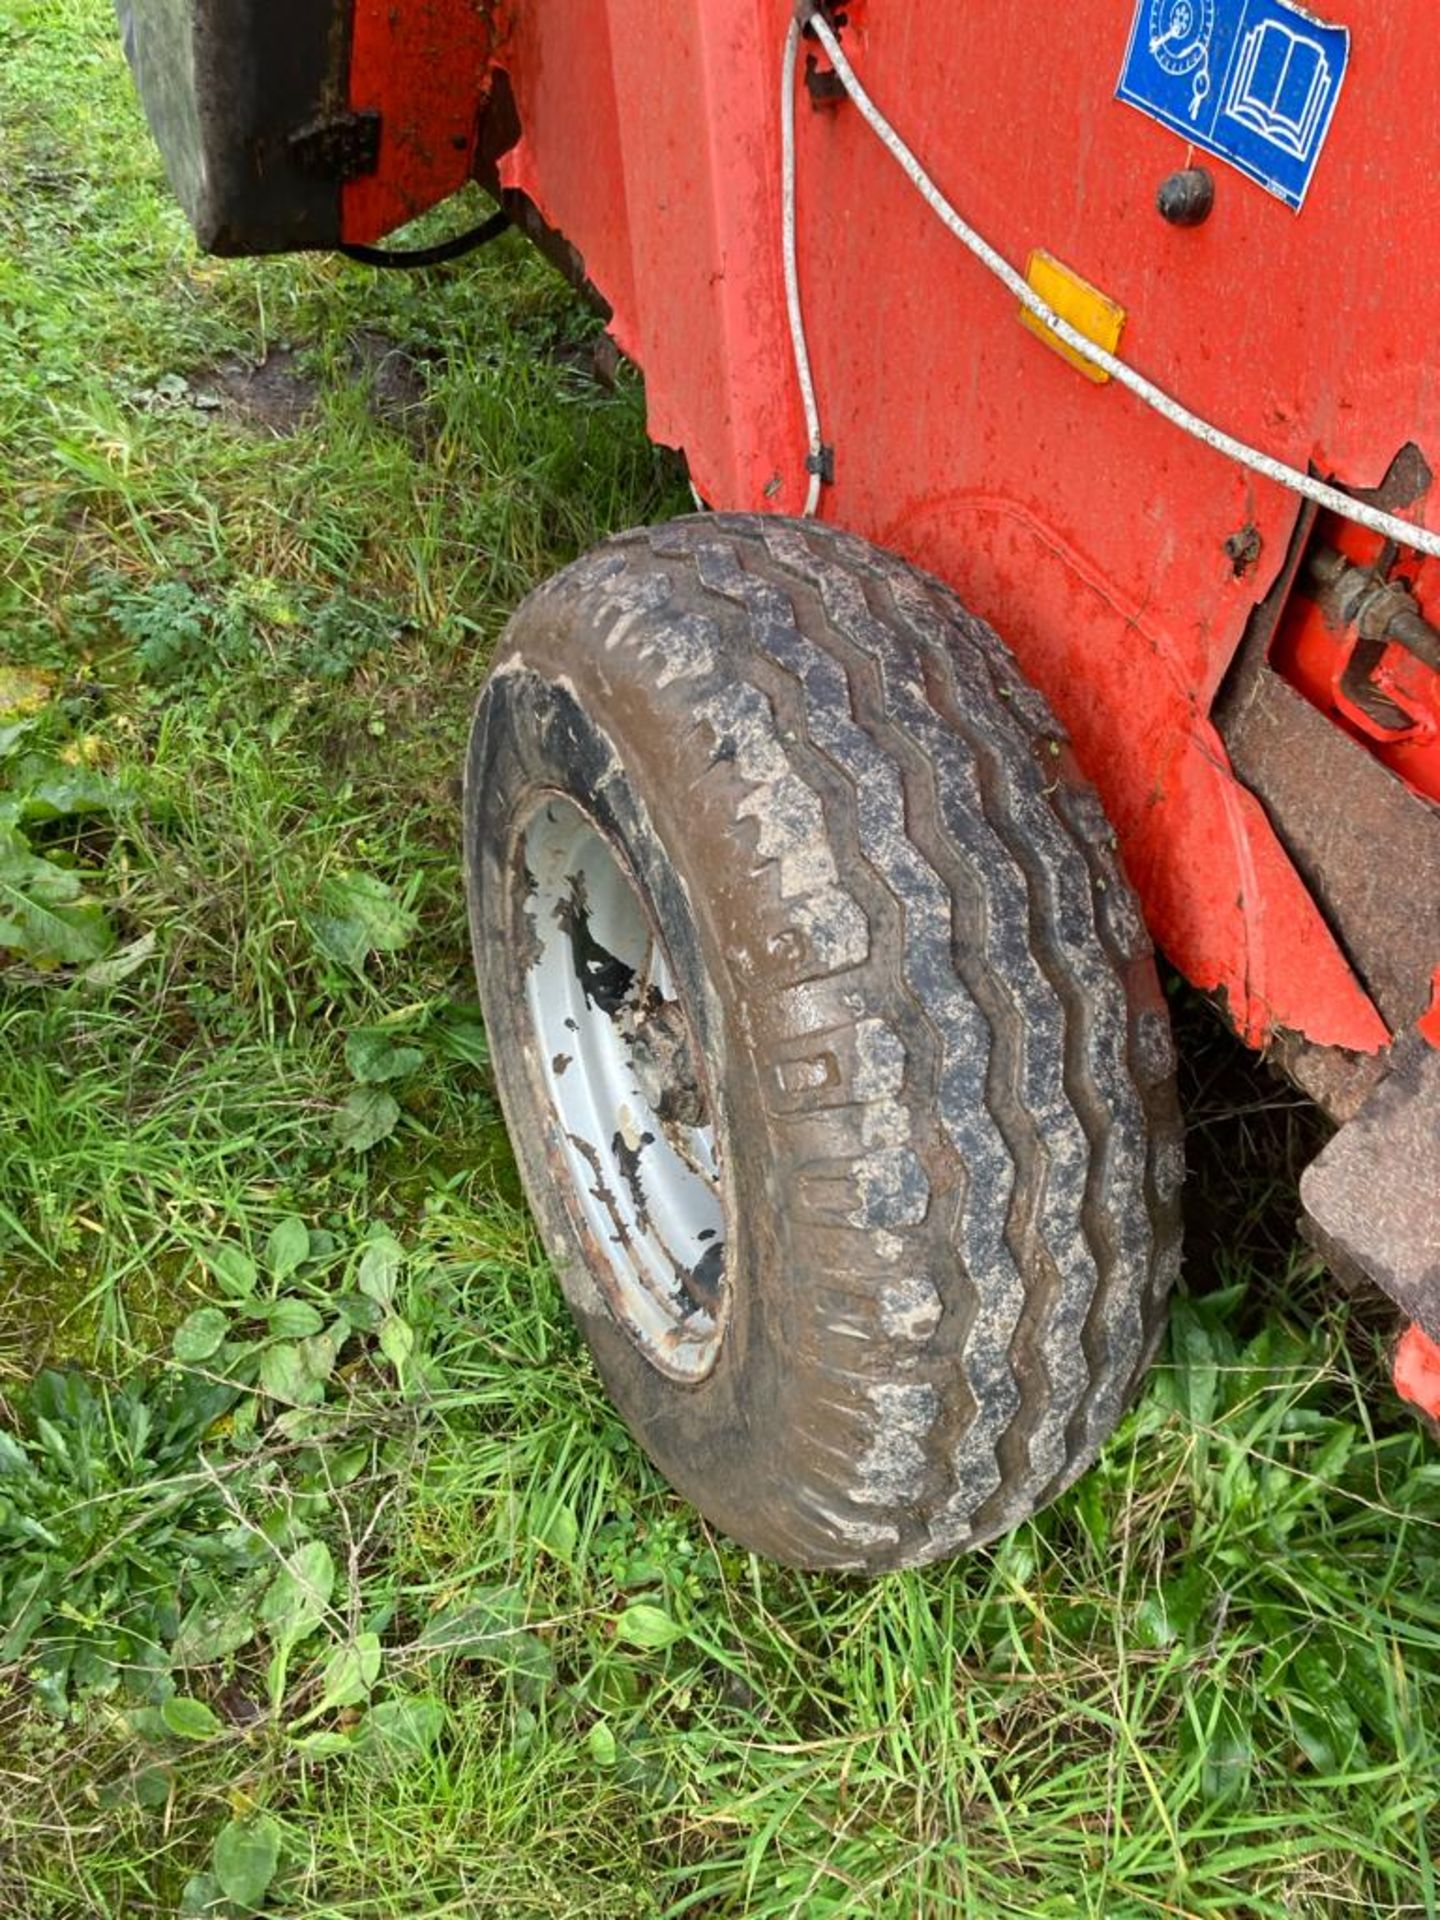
[[1254, 82]]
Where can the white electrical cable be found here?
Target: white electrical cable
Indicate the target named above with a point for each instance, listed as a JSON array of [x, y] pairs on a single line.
[[1388, 525], [816, 458]]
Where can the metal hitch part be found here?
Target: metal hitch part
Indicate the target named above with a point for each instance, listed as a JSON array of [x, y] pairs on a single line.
[[1371, 1200], [1378, 607]]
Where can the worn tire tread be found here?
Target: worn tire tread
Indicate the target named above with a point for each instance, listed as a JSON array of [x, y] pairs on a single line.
[[958, 821]]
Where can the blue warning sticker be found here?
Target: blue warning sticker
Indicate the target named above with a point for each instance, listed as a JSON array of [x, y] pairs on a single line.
[[1252, 81]]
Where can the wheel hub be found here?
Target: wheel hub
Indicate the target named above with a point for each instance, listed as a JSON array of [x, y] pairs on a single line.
[[621, 1070]]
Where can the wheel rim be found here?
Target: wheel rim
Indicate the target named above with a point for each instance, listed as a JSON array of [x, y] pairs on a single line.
[[624, 1080]]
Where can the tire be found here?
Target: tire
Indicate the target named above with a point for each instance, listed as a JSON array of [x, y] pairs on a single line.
[[828, 1035]]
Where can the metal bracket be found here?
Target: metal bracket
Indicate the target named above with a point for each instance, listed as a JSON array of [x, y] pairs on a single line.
[[340, 147], [1371, 1201], [823, 463]]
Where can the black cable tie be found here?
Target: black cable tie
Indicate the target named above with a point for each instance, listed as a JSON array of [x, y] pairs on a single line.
[[436, 256], [822, 462]]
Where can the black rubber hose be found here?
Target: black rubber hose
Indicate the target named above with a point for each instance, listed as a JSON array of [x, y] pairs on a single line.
[[436, 256]]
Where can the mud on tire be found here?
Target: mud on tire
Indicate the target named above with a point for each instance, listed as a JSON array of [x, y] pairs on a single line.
[[909, 1014]]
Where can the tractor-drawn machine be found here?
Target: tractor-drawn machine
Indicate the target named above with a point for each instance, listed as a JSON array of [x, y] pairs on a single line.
[[1060, 384]]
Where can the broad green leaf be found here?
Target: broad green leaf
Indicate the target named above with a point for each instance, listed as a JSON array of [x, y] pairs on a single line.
[[1326, 1725], [1324, 1470], [320, 1352], [645, 1626], [557, 1530], [1192, 1346], [233, 1269], [379, 1269], [247, 1853], [372, 1057], [350, 1673], [1229, 1759], [360, 915], [51, 790], [357, 1312], [403, 1729], [1362, 1674], [287, 1247], [491, 1627], [1173, 1612], [200, 1335], [459, 1034], [366, 1116], [153, 1786], [479, 1626], [291, 1319], [601, 1741], [1213, 1733], [311, 1424], [53, 1440], [324, 1746], [43, 912], [397, 1340], [190, 1719], [200, 1898], [285, 1376], [1088, 1503], [344, 1464], [300, 1594], [216, 1627]]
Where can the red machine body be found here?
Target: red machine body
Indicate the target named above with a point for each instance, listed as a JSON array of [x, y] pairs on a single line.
[[1252, 684], [1122, 560]]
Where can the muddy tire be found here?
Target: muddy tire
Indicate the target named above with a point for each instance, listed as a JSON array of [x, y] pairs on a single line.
[[828, 1035]]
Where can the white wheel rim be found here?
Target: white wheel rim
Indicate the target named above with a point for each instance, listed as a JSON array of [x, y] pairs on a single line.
[[618, 1062]]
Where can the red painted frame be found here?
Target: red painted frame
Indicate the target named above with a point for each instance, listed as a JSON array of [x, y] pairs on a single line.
[[1089, 532]]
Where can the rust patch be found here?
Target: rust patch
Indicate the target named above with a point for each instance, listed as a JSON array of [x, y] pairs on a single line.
[[1367, 847], [1408, 478], [1244, 549], [1372, 1204]]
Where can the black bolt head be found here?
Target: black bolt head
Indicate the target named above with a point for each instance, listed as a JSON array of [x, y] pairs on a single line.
[[1185, 199]]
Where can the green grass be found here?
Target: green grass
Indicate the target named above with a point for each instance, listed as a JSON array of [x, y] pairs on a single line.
[[531, 1681]]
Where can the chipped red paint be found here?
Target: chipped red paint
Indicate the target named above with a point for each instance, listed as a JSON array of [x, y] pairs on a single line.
[[1416, 1371], [1430, 1020], [423, 66]]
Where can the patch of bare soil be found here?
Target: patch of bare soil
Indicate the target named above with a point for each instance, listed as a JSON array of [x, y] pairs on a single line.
[[397, 385], [274, 393]]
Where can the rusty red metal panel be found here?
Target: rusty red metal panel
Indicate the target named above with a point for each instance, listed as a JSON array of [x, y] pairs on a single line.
[[422, 65], [1368, 847], [1371, 1203]]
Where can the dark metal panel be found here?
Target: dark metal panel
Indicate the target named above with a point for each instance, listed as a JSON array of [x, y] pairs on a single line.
[[1371, 1199], [247, 100], [1368, 848]]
